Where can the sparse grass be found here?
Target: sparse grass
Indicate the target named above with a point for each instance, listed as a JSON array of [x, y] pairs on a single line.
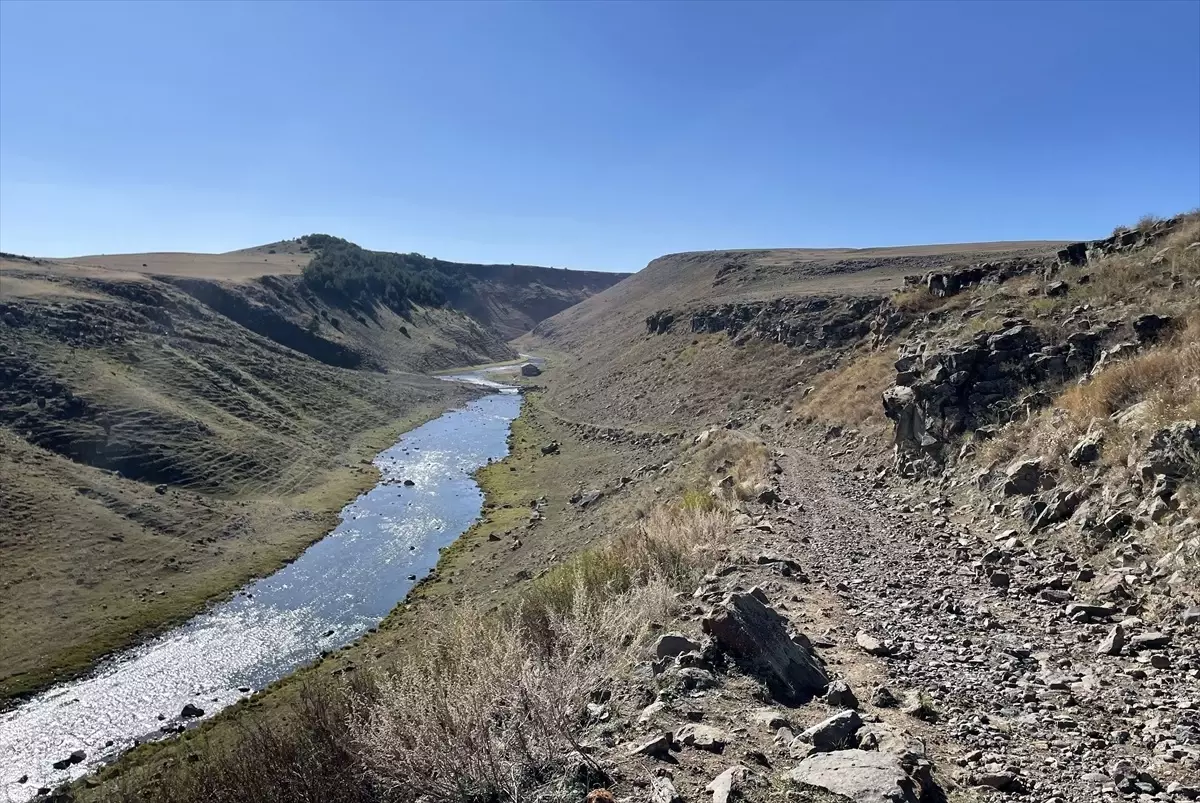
[[851, 395], [1168, 376], [914, 301]]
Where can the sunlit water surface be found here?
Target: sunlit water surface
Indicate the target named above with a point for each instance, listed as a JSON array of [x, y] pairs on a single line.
[[340, 587]]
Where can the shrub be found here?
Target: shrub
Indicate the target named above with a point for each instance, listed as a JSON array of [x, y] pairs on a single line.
[[492, 710]]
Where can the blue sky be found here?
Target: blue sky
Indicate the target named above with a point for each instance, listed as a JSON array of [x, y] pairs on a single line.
[[590, 135]]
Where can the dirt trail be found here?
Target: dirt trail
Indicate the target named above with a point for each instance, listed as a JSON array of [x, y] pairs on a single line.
[[1023, 700]]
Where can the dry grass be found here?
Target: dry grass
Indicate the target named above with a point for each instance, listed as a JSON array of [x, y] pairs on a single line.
[[851, 395], [735, 464], [493, 711], [494, 706]]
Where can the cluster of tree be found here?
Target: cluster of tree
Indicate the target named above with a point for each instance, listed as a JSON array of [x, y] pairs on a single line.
[[342, 271]]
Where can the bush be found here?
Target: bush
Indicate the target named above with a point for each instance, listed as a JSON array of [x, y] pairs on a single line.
[[343, 272]]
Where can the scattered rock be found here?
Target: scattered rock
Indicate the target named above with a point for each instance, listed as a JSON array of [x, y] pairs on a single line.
[[703, 737], [1023, 477], [883, 698], [659, 745], [1113, 642], [839, 695], [727, 784], [191, 711], [754, 636]]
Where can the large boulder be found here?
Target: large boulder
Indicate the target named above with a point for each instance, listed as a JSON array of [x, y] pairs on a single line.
[[754, 636], [858, 775], [529, 369]]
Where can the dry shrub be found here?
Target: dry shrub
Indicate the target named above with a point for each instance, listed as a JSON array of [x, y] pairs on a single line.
[[672, 544], [1168, 376], [916, 301], [308, 755], [739, 456], [491, 710], [852, 394]]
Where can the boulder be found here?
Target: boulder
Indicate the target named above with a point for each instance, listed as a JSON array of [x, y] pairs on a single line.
[[191, 711], [754, 636], [1023, 477], [839, 695], [858, 775], [833, 733], [550, 448], [529, 369], [670, 645]]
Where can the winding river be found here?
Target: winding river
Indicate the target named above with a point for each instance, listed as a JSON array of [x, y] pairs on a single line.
[[336, 590]]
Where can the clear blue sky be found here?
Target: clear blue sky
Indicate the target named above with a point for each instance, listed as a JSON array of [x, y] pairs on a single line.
[[590, 135]]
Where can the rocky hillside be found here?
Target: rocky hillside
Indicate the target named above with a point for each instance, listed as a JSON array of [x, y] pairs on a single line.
[[992, 462]]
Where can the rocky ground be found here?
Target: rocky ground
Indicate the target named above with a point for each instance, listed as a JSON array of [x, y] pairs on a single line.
[[934, 673]]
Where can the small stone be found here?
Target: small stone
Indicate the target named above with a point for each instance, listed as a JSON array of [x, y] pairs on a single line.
[[871, 645], [659, 745], [726, 784], [1113, 642]]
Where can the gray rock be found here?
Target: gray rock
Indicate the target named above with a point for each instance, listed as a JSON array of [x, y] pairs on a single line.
[[1190, 616], [1113, 642], [1081, 609], [703, 737], [839, 695], [883, 698], [1152, 640], [1023, 477], [770, 719], [754, 637], [833, 733], [662, 790], [859, 775], [1085, 451], [727, 784], [659, 745], [871, 645], [670, 645], [191, 711]]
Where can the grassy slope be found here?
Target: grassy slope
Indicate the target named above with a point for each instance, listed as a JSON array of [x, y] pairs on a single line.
[[613, 371]]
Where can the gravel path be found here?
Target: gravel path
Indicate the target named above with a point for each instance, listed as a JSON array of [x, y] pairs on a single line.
[[981, 622]]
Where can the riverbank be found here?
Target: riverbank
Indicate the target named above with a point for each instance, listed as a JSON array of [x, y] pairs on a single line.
[[214, 546], [489, 563]]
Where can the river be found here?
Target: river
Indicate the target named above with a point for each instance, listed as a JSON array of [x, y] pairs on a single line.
[[335, 591]]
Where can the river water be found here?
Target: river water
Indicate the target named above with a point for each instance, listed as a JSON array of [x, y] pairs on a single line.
[[336, 590]]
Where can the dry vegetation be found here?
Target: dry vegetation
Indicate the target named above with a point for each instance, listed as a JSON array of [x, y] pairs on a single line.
[[491, 704], [850, 395]]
